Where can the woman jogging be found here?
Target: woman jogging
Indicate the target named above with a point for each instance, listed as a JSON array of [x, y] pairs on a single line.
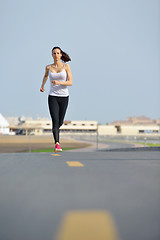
[[60, 77]]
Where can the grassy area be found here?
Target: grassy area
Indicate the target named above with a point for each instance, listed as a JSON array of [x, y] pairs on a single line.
[[149, 144], [125, 141], [153, 144], [49, 150]]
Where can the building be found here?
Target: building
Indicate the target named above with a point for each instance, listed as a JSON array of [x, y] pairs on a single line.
[[29, 126], [129, 130], [133, 126], [42, 126], [79, 127], [4, 125], [141, 120]]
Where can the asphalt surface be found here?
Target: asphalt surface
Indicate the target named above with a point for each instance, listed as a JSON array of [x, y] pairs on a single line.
[[37, 189]]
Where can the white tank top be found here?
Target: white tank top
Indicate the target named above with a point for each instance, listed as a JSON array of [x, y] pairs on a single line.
[[58, 90]]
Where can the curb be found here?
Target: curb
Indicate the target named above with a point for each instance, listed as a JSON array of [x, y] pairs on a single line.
[[131, 149]]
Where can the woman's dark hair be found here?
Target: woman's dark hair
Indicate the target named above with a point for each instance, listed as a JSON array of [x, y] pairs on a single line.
[[65, 57]]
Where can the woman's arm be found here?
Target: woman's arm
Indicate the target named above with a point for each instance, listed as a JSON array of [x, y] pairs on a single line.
[[45, 79], [69, 81]]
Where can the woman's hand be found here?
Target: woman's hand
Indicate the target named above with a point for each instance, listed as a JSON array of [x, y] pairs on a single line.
[[55, 82], [42, 89]]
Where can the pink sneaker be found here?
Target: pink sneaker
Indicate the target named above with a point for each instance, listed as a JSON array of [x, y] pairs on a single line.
[[57, 148]]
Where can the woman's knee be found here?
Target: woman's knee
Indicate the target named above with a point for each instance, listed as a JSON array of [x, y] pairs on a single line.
[[60, 123], [54, 128]]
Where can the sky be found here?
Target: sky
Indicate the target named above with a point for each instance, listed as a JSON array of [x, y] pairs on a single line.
[[114, 46]]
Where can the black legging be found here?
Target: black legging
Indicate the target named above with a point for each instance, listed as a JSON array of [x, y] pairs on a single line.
[[57, 108]]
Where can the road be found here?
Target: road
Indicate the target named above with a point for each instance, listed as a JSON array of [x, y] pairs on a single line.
[[107, 188]]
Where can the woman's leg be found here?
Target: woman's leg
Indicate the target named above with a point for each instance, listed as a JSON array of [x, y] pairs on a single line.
[[63, 104], [54, 112]]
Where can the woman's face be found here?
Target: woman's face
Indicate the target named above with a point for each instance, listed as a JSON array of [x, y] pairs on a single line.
[[56, 54]]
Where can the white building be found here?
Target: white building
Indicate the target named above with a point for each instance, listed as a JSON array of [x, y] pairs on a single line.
[[4, 125]]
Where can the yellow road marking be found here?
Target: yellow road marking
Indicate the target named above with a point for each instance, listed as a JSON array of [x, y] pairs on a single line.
[[55, 154], [87, 225], [75, 164]]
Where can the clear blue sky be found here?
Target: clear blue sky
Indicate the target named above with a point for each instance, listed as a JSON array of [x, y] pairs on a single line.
[[115, 50]]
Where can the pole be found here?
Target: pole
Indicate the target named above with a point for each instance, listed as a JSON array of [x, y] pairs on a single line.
[[97, 137], [29, 143]]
